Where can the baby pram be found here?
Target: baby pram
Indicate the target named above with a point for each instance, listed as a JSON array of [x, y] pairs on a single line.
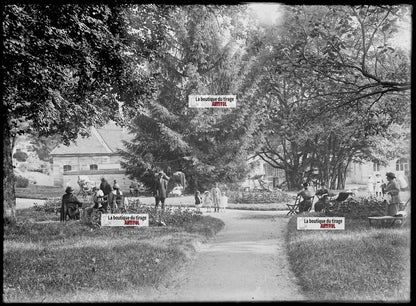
[[327, 200]]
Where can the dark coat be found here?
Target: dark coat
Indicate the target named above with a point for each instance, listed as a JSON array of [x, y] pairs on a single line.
[[70, 207], [160, 186], [106, 187]]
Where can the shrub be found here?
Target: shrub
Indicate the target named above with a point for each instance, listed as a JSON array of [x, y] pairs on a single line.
[[259, 197], [361, 207], [170, 216], [177, 217], [20, 156], [21, 182], [49, 206]]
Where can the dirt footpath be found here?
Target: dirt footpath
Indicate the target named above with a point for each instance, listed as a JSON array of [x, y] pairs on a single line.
[[246, 261]]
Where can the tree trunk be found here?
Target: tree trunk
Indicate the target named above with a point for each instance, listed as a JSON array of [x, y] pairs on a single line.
[[293, 180], [9, 195]]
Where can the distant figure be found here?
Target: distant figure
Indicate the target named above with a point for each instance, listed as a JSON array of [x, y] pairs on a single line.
[[134, 188], [370, 185], [223, 202], [216, 198], [198, 201], [70, 205], [114, 183], [207, 201], [98, 197], [392, 189], [378, 183], [307, 194], [116, 198], [106, 188], [160, 189]]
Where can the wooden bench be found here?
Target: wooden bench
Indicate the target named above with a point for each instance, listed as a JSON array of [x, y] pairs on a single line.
[[391, 220], [385, 220]]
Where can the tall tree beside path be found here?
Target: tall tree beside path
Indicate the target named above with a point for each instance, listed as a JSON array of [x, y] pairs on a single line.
[[334, 78], [202, 56], [66, 68]]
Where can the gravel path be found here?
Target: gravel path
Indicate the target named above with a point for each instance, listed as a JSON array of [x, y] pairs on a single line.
[[246, 261]]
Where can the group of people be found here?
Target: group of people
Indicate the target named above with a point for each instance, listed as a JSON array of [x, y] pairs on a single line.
[[374, 185], [103, 198], [209, 198], [389, 190]]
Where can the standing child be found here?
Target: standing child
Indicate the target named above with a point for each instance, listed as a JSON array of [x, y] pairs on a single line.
[[370, 185], [378, 183], [207, 200], [198, 201]]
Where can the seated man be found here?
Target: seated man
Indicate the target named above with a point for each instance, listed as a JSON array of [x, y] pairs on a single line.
[[307, 194], [70, 205]]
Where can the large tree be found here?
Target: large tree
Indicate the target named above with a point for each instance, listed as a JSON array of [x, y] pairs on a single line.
[[202, 55], [331, 83], [66, 68]]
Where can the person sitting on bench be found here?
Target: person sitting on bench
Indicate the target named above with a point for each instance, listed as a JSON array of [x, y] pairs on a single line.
[[307, 194]]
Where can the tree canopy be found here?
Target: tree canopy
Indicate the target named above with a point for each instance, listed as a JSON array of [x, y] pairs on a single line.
[[323, 86], [68, 67]]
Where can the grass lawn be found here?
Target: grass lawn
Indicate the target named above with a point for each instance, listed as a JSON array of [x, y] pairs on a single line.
[[70, 261], [357, 264]]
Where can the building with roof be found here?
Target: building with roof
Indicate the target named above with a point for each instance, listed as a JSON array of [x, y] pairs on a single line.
[[95, 157]]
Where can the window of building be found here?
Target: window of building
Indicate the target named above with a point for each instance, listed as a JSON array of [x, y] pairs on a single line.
[[402, 164], [67, 168], [93, 167], [376, 166]]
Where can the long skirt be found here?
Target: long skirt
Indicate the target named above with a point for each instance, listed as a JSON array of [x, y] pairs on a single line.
[[392, 209]]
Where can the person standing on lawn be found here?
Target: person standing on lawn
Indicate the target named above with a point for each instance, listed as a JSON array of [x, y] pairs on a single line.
[[378, 185], [392, 189], [106, 188], [198, 200], [160, 189], [117, 198], [370, 185]]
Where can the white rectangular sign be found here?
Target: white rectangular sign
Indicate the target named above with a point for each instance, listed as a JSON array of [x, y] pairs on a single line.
[[321, 223], [125, 220], [212, 101]]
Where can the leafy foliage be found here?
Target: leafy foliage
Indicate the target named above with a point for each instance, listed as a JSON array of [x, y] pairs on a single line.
[[21, 181], [20, 156], [68, 67], [200, 57], [326, 95]]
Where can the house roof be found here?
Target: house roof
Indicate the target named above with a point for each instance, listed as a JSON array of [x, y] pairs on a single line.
[[105, 140]]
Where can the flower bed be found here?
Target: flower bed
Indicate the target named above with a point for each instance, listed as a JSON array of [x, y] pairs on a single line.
[[360, 207], [259, 197]]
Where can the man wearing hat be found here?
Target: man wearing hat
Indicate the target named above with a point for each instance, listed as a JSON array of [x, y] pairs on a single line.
[[70, 205], [392, 189]]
